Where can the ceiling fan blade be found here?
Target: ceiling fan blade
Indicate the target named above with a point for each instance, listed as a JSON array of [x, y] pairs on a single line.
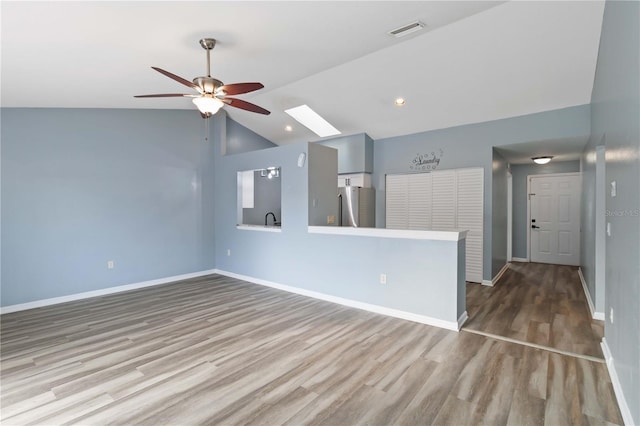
[[166, 95], [240, 88], [239, 103], [178, 79]]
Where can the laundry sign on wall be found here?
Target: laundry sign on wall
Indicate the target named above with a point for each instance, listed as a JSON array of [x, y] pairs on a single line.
[[426, 162]]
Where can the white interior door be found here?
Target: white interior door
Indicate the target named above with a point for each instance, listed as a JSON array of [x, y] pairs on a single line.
[[443, 203], [555, 219], [396, 202]]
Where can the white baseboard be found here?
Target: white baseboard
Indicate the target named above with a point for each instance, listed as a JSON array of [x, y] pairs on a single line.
[[519, 259], [423, 319], [617, 388], [101, 292], [463, 318], [495, 279], [500, 273], [594, 314]]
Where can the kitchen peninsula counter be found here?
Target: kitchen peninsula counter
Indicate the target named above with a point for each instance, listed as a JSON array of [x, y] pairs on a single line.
[[440, 235]]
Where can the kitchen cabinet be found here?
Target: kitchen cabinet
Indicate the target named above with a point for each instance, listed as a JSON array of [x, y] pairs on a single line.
[[355, 179]]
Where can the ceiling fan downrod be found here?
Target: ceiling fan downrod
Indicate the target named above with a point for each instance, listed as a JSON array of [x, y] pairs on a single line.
[[208, 44]]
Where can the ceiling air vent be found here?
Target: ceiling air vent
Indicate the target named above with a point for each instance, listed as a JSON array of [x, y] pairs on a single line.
[[407, 29]]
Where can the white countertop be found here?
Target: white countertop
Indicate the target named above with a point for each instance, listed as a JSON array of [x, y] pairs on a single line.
[[448, 235], [264, 228]]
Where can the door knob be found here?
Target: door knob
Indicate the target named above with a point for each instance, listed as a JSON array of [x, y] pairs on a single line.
[[535, 227]]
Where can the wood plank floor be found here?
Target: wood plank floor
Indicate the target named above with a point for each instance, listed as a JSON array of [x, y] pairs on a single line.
[[537, 303], [220, 351]]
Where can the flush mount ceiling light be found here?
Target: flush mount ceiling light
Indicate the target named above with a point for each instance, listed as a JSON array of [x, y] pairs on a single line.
[[400, 101], [542, 160], [406, 29], [313, 121]]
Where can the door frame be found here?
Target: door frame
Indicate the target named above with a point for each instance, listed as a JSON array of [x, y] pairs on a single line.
[[579, 174], [509, 215]]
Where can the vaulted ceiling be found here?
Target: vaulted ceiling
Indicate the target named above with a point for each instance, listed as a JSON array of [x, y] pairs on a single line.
[[474, 61]]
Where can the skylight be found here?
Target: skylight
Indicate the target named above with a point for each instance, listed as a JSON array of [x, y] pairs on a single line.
[[313, 121]]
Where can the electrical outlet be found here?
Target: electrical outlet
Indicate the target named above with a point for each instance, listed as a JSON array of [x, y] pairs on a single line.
[[228, 252], [331, 219], [611, 315], [110, 264], [383, 278]]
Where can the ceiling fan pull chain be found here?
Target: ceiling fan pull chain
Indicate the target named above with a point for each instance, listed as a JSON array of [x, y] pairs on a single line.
[[206, 129]]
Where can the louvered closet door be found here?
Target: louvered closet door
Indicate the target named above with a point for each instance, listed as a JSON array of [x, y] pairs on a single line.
[[470, 201], [397, 202], [443, 202], [419, 201]]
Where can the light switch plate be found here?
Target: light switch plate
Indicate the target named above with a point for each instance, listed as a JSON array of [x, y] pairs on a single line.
[[613, 188], [608, 229]]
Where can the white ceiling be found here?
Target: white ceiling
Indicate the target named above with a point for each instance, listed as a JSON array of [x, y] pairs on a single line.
[[475, 61]]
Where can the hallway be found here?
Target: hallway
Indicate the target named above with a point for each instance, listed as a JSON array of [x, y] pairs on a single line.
[[539, 304]]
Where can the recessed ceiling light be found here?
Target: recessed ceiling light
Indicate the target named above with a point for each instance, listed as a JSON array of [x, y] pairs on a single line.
[[542, 160], [400, 101], [313, 121], [288, 128]]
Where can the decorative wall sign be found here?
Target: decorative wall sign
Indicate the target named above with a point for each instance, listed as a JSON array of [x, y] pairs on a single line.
[[426, 162]]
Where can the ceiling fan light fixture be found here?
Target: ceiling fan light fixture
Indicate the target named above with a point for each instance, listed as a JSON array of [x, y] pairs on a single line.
[[542, 160], [212, 92], [208, 104]]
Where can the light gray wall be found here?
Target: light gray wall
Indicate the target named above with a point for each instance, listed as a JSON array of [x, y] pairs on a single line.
[[267, 195], [355, 153], [323, 184], [592, 250], [471, 146], [462, 272], [240, 139], [81, 187], [520, 195], [499, 213], [615, 111]]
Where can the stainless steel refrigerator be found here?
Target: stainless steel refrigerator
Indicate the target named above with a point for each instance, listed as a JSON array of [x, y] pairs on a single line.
[[357, 207]]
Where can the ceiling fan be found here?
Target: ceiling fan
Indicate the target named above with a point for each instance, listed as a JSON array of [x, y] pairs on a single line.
[[212, 93]]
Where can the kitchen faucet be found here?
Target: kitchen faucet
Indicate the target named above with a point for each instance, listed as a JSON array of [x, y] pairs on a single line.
[[266, 216]]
